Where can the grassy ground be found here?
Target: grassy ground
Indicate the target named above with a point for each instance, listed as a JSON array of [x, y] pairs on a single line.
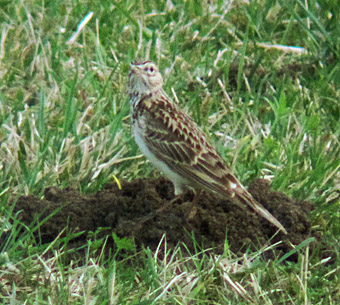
[[272, 111]]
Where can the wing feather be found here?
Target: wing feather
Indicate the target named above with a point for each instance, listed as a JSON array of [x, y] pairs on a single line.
[[179, 142]]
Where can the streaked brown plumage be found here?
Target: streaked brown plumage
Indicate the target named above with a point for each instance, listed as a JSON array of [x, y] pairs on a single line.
[[176, 145]]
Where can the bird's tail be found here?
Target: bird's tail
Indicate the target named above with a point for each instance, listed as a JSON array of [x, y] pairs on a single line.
[[245, 197]]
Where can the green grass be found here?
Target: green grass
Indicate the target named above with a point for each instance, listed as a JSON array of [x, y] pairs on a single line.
[[64, 121]]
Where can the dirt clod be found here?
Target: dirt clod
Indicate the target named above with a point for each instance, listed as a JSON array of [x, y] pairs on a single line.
[[131, 211]]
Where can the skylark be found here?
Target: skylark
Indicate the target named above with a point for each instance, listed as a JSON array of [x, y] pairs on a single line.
[[176, 145]]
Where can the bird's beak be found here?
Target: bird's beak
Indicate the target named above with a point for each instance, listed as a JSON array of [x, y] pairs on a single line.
[[133, 68]]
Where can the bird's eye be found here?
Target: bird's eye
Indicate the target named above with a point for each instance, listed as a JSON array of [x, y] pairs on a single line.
[[151, 70], [146, 69]]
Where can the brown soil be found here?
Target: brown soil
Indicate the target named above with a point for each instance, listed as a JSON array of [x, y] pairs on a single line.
[[130, 211]]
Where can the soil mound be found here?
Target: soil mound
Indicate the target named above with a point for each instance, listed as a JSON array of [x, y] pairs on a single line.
[[131, 211]]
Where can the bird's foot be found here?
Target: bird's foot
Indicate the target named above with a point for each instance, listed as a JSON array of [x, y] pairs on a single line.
[[153, 214], [193, 209], [192, 212]]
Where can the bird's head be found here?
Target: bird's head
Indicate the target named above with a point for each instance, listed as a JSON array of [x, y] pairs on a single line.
[[144, 78]]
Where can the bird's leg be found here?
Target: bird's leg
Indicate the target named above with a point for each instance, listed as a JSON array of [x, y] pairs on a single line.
[[193, 209], [179, 190], [178, 196], [161, 209], [169, 203]]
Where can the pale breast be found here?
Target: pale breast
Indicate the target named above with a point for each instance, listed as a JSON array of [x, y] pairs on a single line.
[[138, 129]]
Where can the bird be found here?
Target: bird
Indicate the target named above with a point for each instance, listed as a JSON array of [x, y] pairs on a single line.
[[174, 143]]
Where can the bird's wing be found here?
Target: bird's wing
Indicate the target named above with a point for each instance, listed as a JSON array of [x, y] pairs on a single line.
[[179, 142]]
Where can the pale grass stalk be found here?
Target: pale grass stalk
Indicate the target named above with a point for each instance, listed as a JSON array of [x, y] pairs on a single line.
[[304, 275], [82, 121], [97, 33], [148, 49], [331, 175], [247, 83], [302, 144], [80, 28], [140, 40], [176, 276], [31, 27], [286, 49], [220, 55], [158, 46], [174, 95], [221, 18], [104, 166], [201, 82], [4, 34], [58, 158], [226, 95], [250, 126], [114, 55], [113, 290], [167, 71]]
